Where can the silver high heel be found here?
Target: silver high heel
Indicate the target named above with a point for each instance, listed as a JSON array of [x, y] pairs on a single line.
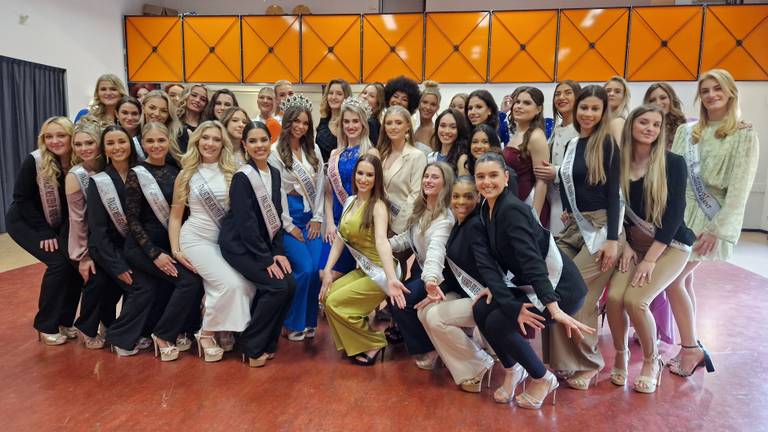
[[619, 376], [581, 383], [96, 342], [69, 332], [167, 353], [475, 384], [213, 353], [515, 375], [646, 384], [123, 352], [525, 400], [51, 339], [183, 343]]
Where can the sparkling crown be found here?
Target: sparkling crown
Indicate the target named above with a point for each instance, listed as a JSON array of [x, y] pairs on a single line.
[[357, 103], [297, 100]]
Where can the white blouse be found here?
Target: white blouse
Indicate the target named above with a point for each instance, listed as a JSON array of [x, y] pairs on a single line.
[[430, 245], [290, 183]]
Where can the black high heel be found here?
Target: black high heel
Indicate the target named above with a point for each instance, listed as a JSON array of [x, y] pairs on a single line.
[[706, 362], [393, 335], [368, 360]]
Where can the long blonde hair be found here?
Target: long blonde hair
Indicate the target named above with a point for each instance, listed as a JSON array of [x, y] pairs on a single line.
[[385, 144], [96, 109], [50, 168], [93, 131], [365, 140], [422, 216], [174, 126], [732, 117], [600, 133], [655, 184], [191, 160], [623, 109]]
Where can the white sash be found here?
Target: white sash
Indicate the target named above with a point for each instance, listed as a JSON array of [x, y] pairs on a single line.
[[153, 194], [138, 149], [268, 210], [215, 209], [81, 174], [650, 230], [469, 284], [305, 180], [49, 194], [111, 201], [334, 177], [706, 201]]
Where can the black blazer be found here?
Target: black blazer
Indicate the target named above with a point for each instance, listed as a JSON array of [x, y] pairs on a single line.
[[324, 139], [243, 230], [28, 206], [519, 244], [105, 243]]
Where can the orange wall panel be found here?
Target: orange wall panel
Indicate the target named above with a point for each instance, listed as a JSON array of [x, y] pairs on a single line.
[[153, 49], [736, 39], [212, 49], [392, 46], [270, 48], [592, 44], [457, 46], [330, 48], [523, 46]]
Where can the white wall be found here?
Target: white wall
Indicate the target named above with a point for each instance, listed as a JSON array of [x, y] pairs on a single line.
[[85, 37]]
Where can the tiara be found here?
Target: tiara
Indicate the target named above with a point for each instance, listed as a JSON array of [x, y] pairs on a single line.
[[297, 100], [357, 103]]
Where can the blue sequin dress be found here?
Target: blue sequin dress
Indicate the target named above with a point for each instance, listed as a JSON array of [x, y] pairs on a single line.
[[347, 161]]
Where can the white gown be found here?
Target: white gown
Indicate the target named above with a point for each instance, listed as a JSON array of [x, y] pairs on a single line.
[[228, 294]]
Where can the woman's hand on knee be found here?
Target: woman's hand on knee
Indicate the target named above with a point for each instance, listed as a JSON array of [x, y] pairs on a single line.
[[49, 245], [628, 257], [484, 293], [643, 273]]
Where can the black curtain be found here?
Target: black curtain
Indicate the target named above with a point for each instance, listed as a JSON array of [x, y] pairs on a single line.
[[29, 94]]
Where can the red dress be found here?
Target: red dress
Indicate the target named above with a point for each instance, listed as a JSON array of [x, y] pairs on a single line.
[[525, 179]]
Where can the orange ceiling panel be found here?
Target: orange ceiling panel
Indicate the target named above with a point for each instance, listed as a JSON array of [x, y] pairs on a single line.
[[393, 45], [457, 46], [523, 46], [736, 39], [270, 48], [664, 43], [330, 48], [592, 44], [212, 49], [153, 49]]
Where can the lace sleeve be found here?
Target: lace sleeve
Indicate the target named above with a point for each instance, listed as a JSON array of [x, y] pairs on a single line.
[[134, 202]]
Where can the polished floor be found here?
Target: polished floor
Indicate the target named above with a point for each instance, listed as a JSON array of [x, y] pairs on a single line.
[[309, 387]]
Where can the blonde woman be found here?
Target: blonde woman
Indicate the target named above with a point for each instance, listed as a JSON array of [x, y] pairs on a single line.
[[203, 185], [617, 89], [721, 153], [663, 96], [429, 103], [103, 107], [658, 243], [193, 102], [403, 165], [330, 109], [36, 222], [267, 106], [430, 226], [158, 107]]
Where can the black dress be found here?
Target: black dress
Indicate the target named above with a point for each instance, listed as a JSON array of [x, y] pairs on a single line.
[[325, 139]]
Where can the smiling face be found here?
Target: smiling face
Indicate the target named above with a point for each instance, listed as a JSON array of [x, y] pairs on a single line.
[[365, 177], [222, 104], [352, 125], [565, 98], [57, 140], [463, 200], [335, 96], [615, 91], [713, 96], [478, 111], [588, 114], [479, 144], [428, 106], [197, 99], [300, 125], [155, 144], [369, 94], [457, 103], [236, 125], [107, 93], [117, 146], [432, 182], [491, 179], [128, 116], [85, 146], [257, 144], [156, 110], [399, 98], [447, 131], [282, 92], [396, 126], [210, 145], [646, 127], [174, 92], [524, 109], [266, 103], [660, 98]]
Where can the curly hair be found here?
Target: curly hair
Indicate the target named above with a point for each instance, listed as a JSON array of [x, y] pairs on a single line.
[[405, 85], [51, 166], [192, 158]]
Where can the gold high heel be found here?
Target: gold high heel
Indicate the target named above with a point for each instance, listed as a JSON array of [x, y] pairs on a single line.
[[123, 352], [69, 332], [96, 342], [428, 361], [515, 375], [475, 384], [525, 400], [213, 353], [582, 383], [167, 353], [646, 384], [619, 376], [183, 343], [259, 361], [51, 339]]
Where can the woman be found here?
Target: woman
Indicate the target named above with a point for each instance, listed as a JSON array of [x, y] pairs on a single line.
[[330, 107], [617, 89], [482, 109], [528, 148], [234, 121], [267, 107], [175, 91], [109, 90], [164, 293], [35, 221], [191, 106], [353, 143], [220, 102], [403, 165], [157, 107], [349, 300], [483, 140], [429, 227], [300, 164], [203, 184], [592, 236], [663, 96], [458, 102], [429, 103], [404, 92], [129, 117], [88, 161], [550, 287], [450, 140], [658, 243], [252, 242], [374, 94], [563, 105], [721, 153], [283, 90]]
